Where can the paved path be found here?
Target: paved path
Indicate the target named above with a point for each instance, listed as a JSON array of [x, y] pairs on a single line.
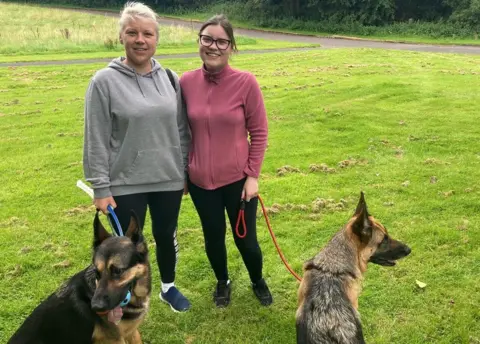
[[326, 43]]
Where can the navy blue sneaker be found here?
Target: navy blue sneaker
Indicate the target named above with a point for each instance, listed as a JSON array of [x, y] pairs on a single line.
[[176, 300]]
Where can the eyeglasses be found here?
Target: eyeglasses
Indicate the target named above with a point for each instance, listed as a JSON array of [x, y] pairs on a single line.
[[207, 41]]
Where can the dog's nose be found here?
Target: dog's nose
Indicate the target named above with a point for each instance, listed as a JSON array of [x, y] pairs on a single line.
[[99, 304], [407, 250]]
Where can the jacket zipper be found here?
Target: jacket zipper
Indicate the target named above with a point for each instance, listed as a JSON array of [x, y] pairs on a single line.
[[209, 112]]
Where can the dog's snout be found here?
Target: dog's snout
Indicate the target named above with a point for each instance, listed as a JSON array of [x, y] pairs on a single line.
[[100, 304], [407, 250]]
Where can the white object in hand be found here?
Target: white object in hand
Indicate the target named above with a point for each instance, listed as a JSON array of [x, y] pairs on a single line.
[[85, 188]]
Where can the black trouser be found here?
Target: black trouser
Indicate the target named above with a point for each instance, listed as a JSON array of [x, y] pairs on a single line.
[[211, 205], [164, 207]]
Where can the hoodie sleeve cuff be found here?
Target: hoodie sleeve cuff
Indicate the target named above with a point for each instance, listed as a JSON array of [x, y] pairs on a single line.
[[102, 192]]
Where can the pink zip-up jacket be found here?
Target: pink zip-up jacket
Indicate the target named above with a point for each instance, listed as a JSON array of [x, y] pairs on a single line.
[[223, 109]]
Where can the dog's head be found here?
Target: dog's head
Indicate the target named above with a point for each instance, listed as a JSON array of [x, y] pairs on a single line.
[[119, 262], [376, 245]]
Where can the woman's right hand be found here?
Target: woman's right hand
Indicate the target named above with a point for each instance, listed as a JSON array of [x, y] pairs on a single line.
[[102, 203]]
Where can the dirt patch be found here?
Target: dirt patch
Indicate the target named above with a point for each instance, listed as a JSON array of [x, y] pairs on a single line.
[[14, 222], [25, 250], [448, 193], [352, 162], [286, 170], [64, 264], [317, 206], [322, 168], [15, 272], [82, 209], [433, 161]]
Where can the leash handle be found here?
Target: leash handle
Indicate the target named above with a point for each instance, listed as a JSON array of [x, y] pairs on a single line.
[[89, 191], [118, 230], [241, 217]]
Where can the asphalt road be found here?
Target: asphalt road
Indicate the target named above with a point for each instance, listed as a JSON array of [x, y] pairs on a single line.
[[326, 43]]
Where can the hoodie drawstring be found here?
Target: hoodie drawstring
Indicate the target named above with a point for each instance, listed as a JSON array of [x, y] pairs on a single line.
[[118, 65], [156, 85], [138, 83]]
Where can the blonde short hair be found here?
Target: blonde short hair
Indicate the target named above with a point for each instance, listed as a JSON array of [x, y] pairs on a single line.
[[133, 10]]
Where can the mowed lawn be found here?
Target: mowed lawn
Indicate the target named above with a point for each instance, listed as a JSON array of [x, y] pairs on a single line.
[[32, 33], [401, 126]]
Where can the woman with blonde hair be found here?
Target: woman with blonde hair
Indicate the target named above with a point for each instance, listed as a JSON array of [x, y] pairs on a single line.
[[136, 141]]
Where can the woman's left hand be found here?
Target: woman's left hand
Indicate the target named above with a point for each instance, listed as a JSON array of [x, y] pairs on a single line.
[[250, 189]]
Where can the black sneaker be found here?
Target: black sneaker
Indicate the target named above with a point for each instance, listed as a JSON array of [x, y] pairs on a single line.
[[221, 295], [262, 292]]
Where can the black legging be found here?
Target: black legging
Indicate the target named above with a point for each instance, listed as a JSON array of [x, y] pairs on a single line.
[[211, 205], [164, 208]]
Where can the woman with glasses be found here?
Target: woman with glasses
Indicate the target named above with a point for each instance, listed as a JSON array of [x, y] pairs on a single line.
[[225, 106]]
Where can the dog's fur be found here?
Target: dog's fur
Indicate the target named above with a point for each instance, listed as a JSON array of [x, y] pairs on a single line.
[[71, 314], [328, 294]]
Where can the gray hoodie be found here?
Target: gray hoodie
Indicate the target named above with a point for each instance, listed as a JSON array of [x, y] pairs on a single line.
[[136, 132]]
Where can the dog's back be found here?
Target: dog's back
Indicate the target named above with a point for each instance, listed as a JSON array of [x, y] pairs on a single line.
[[325, 314], [62, 318]]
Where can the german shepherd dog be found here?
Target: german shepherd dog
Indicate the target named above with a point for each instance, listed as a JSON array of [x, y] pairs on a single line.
[[86, 308], [328, 294]]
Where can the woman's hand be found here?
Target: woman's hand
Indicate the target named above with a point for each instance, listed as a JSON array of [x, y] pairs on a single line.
[[250, 189], [102, 203], [185, 188]]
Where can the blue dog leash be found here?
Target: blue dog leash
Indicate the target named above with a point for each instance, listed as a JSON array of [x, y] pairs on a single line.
[[118, 230]]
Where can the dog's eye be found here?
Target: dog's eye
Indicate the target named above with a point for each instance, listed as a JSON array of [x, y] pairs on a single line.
[[384, 241], [98, 274], [116, 271]]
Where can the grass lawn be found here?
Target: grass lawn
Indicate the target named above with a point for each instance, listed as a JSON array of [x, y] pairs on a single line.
[[401, 126], [33, 33]]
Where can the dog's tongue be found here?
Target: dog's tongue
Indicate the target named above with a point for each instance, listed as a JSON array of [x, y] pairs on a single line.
[[115, 315]]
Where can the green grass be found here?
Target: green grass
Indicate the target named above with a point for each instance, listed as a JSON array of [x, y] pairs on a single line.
[[395, 116], [33, 33]]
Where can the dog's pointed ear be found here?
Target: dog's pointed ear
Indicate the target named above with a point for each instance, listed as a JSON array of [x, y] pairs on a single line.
[[134, 230], [362, 205], [362, 226], [99, 232]]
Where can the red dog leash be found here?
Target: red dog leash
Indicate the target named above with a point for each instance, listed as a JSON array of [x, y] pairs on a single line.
[[241, 217]]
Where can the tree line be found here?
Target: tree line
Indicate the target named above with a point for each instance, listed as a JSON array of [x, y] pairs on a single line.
[[464, 13]]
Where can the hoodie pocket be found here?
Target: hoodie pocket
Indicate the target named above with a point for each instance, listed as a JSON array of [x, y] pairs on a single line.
[[155, 166]]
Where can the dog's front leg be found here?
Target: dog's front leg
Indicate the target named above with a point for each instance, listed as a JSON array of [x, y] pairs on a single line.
[[104, 335], [135, 338]]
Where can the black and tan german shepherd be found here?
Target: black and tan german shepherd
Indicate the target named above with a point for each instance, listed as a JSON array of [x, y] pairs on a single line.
[[328, 294], [86, 308]]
